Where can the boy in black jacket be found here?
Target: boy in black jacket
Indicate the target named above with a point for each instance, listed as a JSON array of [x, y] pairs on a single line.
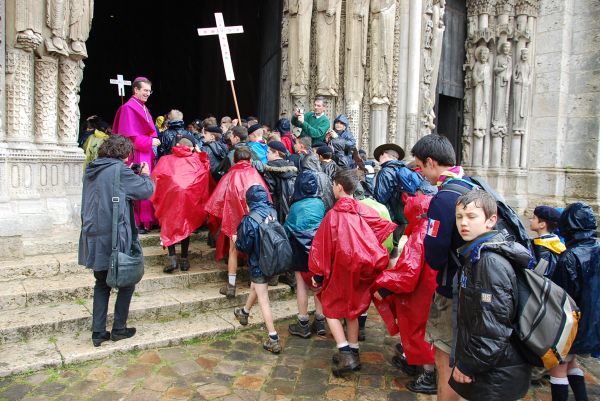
[[487, 364]]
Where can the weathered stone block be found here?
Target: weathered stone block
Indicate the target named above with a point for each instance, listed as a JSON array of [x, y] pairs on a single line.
[[550, 22], [550, 82], [585, 81], [550, 42], [585, 41], [547, 62], [583, 105], [546, 105]]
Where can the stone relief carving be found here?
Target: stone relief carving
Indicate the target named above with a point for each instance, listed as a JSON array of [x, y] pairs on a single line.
[[428, 116], [428, 33], [502, 78], [527, 7], [382, 50], [45, 100], [19, 88], [70, 76], [328, 21], [521, 82], [81, 14], [481, 81], [300, 14], [28, 24], [57, 19]]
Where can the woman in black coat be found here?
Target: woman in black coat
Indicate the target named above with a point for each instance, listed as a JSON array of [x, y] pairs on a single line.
[[96, 229]]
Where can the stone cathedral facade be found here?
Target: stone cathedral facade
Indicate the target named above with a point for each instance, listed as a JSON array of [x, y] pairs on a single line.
[[530, 105]]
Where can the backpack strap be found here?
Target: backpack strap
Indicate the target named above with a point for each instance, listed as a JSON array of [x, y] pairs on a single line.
[[455, 187], [259, 219]]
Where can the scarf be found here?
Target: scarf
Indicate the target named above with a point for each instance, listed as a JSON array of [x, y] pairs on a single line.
[[454, 172]]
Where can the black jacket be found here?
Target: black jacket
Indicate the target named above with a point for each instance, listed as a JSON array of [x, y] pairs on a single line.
[[487, 306], [330, 169], [578, 272], [170, 136], [280, 176], [216, 151]]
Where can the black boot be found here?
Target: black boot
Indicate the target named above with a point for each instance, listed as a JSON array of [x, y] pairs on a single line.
[[401, 363], [171, 265], [99, 337], [425, 384]]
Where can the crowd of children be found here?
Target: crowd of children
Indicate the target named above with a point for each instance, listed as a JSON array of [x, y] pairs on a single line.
[[452, 292]]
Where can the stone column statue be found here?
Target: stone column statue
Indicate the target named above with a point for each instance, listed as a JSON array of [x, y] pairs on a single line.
[[383, 15], [357, 22], [328, 20], [57, 19], [82, 12], [502, 78], [481, 82], [300, 14], [521, 82]]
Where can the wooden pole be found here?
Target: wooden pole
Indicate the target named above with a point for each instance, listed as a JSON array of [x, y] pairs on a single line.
[[237, 110], [121, 100]]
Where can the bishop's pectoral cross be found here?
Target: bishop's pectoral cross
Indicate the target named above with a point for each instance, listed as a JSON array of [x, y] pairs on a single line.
[[120, 85], [222, 31]]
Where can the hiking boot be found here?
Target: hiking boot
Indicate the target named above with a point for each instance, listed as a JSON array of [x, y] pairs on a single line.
[[184, 264], [401, 363], [273, 281], [318, 327], [117, 335], [271, 345], [424, 384], [241, 316], [336, 359], [347, 361], [172, 265], [361, 334], [142, 230], [99, 337], [399, 349], [300, 330], [228, 290]]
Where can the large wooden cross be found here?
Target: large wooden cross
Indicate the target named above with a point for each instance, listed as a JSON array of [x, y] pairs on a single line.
[[120, 85], [223, 31]]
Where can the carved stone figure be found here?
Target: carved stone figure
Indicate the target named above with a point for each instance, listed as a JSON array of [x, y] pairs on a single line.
[[466, 143], [300, 14], [328, 20], [357, 22], [502, 78], [82, 12], [382, 50], [57, 19], [481, 81], [28, 24], [428, 33], [428, 116], [427, 67], [522, 80]]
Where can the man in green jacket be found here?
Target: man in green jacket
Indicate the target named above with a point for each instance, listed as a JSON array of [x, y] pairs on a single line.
[[313, 124]]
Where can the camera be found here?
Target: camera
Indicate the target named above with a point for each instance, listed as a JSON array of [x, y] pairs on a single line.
[[136, 167]]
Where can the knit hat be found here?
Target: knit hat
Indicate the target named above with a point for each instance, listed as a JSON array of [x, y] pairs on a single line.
[[253, 128], [214, 128], [547, 213], [278, 146]]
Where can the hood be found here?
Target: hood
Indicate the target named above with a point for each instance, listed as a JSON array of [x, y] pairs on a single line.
[[577, 222], [257, 197], [394, 164], [282, 168], [99, 165], [307, 186], [311, 162], [342, 119], [283, 125], [346, 205], [181, 151], [496, 242], [175, 124], [101, 135]]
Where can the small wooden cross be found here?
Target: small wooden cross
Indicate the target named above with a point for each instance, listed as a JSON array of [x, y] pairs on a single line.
[[120, 85]]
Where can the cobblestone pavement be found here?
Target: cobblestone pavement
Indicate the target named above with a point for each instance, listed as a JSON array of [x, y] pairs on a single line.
[[234, 367]]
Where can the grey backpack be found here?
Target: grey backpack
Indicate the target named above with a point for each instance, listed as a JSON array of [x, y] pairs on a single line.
[[275, 249]]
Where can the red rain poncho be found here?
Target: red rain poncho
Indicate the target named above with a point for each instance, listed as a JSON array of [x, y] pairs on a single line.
[[412, 282], [227, 204], [347, 252], [182, 189]]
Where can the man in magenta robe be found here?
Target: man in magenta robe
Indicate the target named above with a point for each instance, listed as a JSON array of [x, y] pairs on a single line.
[[133, 121]]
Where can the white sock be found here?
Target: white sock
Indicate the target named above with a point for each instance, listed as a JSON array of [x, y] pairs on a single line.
[[232, 279], [353, 345], [559, 380], [429, 368], [343, 344], [575, 372]]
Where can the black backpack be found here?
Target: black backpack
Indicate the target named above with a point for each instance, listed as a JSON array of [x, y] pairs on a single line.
[[275, 249], [508, 220]]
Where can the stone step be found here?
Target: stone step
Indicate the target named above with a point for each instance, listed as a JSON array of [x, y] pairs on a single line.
[[50, 320], [68, 241], [70, 287], [43, 266], [75, 347]]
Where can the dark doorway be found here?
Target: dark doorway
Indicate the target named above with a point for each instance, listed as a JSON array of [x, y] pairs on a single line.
[[162, 44], [451, 77]]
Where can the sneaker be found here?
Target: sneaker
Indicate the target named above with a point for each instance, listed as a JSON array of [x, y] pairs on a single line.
[[318, 327], [273, 281], [401, 363], [361, 334], [172, 265], [228, 290], [425, 384], [241, 316], [271, 345], [184, 264], [300, 330], [347, 361], [336, 359], [117, 335], [99, 337]]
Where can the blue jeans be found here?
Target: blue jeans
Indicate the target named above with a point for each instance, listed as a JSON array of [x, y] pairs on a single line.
[[101, 296]]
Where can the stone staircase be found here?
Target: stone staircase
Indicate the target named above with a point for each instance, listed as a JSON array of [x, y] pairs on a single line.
[[46, 303]]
